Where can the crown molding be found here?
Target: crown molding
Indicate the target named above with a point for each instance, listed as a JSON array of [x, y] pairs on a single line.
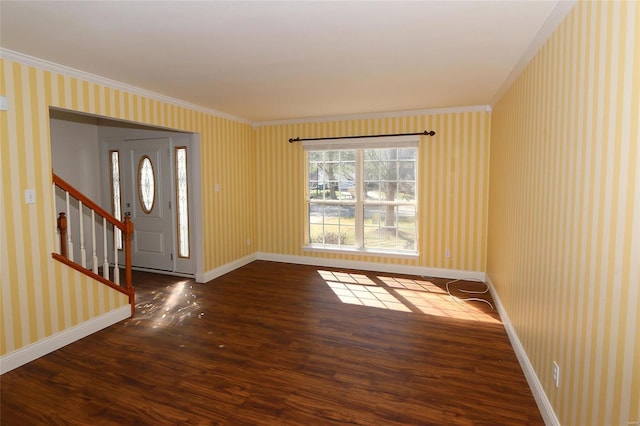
[[365, 116], [72, 72], [557, 15], [75, 73]]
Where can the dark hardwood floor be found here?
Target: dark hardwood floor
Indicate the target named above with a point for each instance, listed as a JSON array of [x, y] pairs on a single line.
[[273, 343]]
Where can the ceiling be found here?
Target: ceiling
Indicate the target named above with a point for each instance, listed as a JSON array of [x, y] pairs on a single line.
[[266, 60]]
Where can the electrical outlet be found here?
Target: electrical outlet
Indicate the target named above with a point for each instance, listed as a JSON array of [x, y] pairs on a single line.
[[29, 196], [447, 253], [248, 241], [556, 374]]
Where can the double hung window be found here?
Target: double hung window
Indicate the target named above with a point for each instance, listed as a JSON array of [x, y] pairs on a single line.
[[361, 194]]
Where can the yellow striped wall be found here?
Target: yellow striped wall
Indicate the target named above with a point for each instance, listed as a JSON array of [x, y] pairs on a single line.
[[39, 296], [564, 217], [453, 186]]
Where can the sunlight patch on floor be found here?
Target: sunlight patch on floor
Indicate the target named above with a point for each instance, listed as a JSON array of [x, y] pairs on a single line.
[[432, 299], [366, 295], [406, 295], [165, 310]]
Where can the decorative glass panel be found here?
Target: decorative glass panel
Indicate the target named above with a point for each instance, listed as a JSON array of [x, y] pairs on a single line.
[[146, 184], [116, 194], [182, 196]]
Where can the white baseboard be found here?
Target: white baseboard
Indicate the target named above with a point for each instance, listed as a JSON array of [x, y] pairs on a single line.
[[49, 344], [160, 271], [374, 266], [224, 269], [544, 405]]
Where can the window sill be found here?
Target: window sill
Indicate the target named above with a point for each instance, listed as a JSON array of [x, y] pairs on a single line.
[[362, 252]]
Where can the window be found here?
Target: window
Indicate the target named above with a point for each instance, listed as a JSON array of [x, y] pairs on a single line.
[[362, 197], [116, 208], [146, 184], [182, 201]]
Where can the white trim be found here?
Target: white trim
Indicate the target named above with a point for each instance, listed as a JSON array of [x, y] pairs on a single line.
[[224, 269], [162, 272], [559, 12], [364, 116], [56, 341], [196, 200], [374, 266], [361, 252], [72, 72], [404, 141], [544, 405]]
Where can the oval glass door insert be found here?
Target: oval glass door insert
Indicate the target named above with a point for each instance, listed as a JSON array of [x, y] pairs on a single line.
[[146, 184]]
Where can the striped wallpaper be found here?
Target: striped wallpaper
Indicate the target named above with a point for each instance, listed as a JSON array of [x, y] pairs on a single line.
[[39, 296], [564, 217], [560, 218], [453, 186]]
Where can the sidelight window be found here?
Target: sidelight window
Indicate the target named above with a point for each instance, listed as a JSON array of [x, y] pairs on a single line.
[[116, 194], [182, 201]]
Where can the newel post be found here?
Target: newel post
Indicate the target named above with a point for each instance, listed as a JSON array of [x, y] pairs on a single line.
[[128, 234], [62, 228]]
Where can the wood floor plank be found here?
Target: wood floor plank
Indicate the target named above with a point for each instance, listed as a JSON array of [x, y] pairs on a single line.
[[273, 343]]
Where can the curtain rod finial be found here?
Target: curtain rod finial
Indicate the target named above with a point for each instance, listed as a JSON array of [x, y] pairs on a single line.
[[291, 140]]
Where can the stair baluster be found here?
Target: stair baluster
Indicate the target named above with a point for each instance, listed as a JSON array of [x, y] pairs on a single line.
[[110, 226]]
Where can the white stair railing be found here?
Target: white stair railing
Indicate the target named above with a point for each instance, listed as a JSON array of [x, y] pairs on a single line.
[[110, 227]]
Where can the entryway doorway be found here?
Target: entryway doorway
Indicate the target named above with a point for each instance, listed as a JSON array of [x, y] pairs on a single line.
[[153, 174]]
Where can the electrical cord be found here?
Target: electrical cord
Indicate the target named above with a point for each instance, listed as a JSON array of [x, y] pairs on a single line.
[[469, 299]]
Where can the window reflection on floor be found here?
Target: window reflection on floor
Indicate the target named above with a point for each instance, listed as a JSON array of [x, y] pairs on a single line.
[[410, 295]]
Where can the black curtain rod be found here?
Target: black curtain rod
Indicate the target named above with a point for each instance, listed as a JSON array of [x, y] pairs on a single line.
[[425, 133]]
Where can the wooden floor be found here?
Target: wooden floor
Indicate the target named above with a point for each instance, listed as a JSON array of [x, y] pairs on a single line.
[[273, 343]]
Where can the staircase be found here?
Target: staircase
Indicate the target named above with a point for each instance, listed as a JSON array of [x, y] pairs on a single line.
[[106, 236]]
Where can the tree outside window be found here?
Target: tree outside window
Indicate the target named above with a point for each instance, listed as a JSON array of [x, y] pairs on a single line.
[[362, 198]]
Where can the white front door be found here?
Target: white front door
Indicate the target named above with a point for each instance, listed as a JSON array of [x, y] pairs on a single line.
[[147, 177], [154, 172]]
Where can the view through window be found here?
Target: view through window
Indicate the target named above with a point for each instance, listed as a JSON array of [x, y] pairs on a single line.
[[362, 198]]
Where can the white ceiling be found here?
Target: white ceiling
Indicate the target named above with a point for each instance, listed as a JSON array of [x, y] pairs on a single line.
[[278, 60]]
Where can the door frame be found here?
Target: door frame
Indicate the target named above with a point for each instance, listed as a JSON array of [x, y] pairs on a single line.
[[123, 131]]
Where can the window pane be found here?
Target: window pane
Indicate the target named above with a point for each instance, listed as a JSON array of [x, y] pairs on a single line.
[[407, 170], [372, 190], [315, 155], [331, 175], [331, 224], [116, 195], [371, 170], [390, 227], [388, 178], [406, 191], [146, 184], [406, 153], [182, 210]]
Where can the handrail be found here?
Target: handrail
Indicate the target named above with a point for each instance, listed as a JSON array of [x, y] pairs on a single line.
[[90, 273], [125, 226], [87, 202]]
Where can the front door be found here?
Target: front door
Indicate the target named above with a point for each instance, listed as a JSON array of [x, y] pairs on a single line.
[[147, 190]]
